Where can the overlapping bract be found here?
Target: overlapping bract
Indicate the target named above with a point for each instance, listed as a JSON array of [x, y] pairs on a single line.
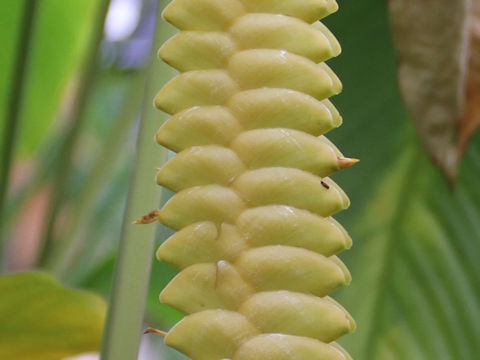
[[256, 243]]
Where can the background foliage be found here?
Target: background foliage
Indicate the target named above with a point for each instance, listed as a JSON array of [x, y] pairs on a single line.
[[416, 287]]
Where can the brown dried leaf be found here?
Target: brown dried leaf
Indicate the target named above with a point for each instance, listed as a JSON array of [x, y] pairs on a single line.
[[438, 49], [470, 121]]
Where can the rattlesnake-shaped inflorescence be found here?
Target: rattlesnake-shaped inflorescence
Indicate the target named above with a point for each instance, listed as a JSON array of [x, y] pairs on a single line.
[[255, 241]]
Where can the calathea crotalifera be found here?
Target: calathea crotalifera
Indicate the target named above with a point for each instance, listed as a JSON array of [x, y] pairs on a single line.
[[255, 239]]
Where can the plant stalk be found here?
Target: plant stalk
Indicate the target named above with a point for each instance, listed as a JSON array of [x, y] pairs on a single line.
[[132, 270]]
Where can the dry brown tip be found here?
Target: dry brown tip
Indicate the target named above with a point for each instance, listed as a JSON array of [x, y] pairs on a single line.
[[155, 331], [344, 163], [149, 218]]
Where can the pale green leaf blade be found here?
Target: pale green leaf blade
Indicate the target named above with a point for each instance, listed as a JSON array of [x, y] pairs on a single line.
[[41, 320], [10, 18]]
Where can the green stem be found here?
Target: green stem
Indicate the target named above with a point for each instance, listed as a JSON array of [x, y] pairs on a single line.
[[127, 300], [75, 121], [12, 120]]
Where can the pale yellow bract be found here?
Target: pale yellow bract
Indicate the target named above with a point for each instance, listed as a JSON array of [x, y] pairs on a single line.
[[256, 242]]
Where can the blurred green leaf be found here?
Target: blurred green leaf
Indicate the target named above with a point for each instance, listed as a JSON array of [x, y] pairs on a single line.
[[62, 32], [415, 265], [41, 320], [75, 118], [415, 289]]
